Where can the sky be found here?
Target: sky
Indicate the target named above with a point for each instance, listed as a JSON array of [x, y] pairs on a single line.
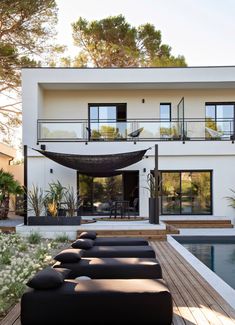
[[201, 30]]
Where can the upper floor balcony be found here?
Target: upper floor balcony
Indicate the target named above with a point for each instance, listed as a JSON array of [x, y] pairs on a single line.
[[180, 129]]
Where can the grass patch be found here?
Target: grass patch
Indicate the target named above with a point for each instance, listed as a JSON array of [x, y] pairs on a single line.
[[34, 238], [62, 238]]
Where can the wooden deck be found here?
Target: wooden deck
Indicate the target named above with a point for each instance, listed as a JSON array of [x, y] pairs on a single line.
[[195, 301]]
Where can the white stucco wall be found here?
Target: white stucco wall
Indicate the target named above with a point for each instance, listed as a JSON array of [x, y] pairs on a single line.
[[221, 166]]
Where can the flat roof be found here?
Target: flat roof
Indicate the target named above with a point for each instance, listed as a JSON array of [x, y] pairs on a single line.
[[131, 78]]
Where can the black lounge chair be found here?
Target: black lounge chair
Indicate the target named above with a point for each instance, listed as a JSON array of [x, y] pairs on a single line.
[[119, 251], [114, 268], [120, 241], [112, 241], [135, 302]]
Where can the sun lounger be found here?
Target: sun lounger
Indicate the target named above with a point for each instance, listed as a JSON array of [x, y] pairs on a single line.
[[114, 268], [119, 251], [135, 302]]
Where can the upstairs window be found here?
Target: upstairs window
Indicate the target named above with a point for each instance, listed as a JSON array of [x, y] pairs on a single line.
[[165, 120], [107, 121], [165, 111], [219, 119]]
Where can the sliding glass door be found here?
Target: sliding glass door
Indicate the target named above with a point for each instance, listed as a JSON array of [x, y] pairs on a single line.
[[186, 192], [98, 193]]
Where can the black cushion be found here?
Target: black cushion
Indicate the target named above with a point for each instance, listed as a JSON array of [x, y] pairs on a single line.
[[114, 268], [138, 302], [88, 234], [49, 278], [69, 255], [119, 251], [120, 241], [83, 243]]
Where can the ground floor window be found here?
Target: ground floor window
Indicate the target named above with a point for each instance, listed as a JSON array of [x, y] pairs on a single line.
[[186, 192], [98, 194]]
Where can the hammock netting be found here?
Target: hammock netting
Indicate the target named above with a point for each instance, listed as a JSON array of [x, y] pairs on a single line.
[[96, 165]]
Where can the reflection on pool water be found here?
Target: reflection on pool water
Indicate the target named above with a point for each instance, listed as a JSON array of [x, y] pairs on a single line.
[[219, 257]]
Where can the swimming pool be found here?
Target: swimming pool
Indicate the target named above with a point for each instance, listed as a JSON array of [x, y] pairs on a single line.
[[216, 252]]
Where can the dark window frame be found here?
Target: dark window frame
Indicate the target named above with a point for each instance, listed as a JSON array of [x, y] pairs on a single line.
[[169, 104], [107, 105], [188, 171]]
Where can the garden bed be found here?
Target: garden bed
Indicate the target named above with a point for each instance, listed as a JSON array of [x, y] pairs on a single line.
[[20, 258]]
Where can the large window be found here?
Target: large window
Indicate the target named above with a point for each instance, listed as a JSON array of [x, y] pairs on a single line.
[[219, 119], [186, 192], [107, 121]]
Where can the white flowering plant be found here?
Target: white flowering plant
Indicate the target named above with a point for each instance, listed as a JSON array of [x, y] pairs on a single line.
[[20, 260]]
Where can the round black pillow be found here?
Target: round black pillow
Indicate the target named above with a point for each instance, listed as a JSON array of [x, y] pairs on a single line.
[[83, 243], [88, 234]]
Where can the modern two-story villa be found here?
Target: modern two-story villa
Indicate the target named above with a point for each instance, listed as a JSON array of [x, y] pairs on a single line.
[[188, 112]]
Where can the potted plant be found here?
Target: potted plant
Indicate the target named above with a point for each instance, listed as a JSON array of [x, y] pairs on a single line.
[[152, 199], [57, 202], [36, 201], [72, 205], [8, 186], [231, 199], [54, 199]]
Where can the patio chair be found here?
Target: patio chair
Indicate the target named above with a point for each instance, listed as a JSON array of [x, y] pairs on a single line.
[[135, 134], [216, 135]]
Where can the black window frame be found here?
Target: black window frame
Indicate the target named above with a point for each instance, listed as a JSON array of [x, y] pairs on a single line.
[[169, 104], [221, 103], [187, 171], [107, 104]]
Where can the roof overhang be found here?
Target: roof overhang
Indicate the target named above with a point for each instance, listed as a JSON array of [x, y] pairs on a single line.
[[132, 78]]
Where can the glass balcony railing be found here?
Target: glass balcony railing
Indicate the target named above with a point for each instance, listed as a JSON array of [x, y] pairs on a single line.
[[139, 130]]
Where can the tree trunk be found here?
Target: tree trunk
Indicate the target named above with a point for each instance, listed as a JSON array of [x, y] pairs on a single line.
[[4, 209]]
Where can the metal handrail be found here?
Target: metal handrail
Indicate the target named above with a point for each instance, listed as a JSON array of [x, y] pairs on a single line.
[[174, 129]]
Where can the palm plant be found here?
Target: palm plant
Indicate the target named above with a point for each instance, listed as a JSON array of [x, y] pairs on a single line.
[[54, 197], [71, 201], [152, 185], [8, 186], [231, 199], [36, 200]]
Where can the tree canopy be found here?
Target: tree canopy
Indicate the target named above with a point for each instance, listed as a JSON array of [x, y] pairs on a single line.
[[26, 26], [113, 42]]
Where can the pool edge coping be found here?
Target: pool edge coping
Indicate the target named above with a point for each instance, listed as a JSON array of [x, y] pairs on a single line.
[[223, 289]]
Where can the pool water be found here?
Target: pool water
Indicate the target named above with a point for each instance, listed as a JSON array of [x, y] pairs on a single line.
[[219, 257]]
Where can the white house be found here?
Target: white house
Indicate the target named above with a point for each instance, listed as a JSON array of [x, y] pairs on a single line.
[[188, 112]]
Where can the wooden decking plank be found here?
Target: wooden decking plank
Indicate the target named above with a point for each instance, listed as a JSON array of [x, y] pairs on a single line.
[[200, 313], [184, 314], [218, 311], [216, 297], [199, 293], [185, 302], [212, 310], [12, 316]]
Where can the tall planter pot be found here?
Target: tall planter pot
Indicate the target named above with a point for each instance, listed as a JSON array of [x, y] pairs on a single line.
[[152, 210], [54, 221]]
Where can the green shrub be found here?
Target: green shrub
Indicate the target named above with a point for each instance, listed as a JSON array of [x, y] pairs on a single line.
[[5, 256], [62, 238], [34, 238]]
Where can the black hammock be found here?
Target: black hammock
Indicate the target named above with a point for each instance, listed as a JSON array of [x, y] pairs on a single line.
[[96, 165]]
